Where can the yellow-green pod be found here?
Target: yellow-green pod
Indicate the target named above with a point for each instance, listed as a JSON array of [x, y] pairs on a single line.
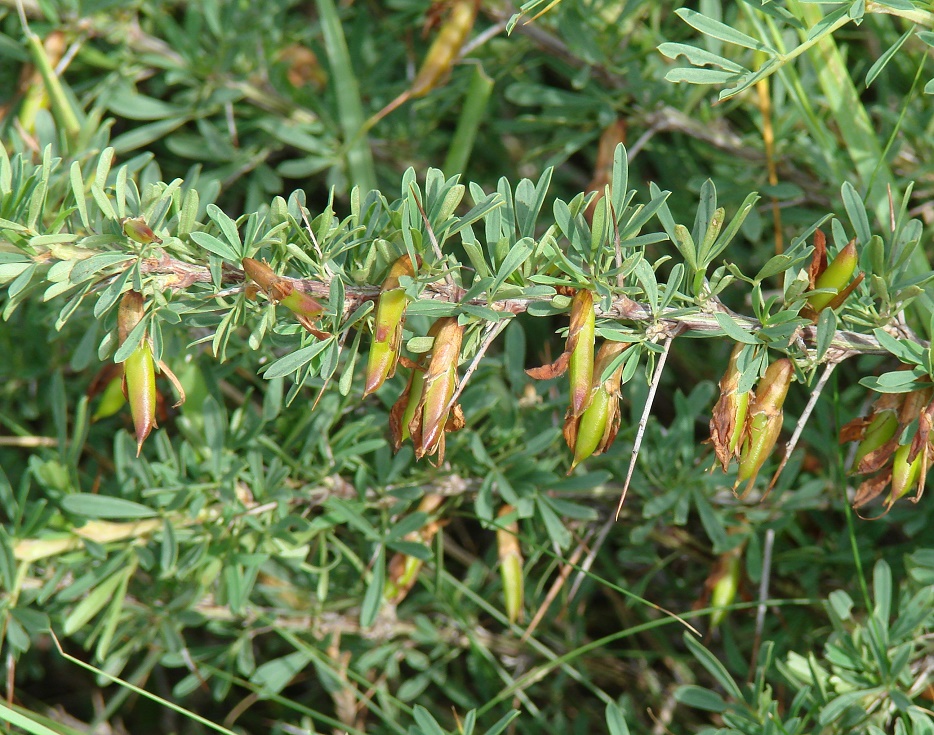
[[905, 474], [111, 401], [580, 343], [415, 397], [836, 276], [879, 432], [387, 329], [140, 373], [725, 589], [510, 565], [136, 229], [764, 424], [592, 426]]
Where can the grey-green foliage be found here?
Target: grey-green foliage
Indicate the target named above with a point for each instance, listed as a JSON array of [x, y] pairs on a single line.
[[238, 566], [865, 679]]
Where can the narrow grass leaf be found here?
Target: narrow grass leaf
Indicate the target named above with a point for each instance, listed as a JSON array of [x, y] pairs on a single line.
[[713, 666], [473, 112], [18, 719], [347, 90], [369, 609], [140, 691]]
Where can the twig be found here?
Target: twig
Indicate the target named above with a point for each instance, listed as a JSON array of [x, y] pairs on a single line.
[[591, 557], [763, 596], [493, 330], [28, 441], [802, 420], [643, 422], [482, 38], [621, 308]]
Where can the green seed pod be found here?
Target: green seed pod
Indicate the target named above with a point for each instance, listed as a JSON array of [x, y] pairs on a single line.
[[136, 229], [764, 423], [112, 399], [594, 431], [444, 49], [578, 353], [428, 425], [298, 302], [403, 569], [387, 331], [282, 291], [140, 375], [905, 472], [835, 276], [581, 346], [591, 426], [510, 565], [879, 432], [139, 370], [725, 588], [403, 410]]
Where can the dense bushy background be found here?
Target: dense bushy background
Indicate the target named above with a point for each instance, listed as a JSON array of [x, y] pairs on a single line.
[[239, 596]]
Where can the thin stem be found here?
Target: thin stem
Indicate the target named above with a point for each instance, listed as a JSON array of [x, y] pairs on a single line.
[[763, 596], [844, 344], [493, 330], [643, 422], [802, 421]]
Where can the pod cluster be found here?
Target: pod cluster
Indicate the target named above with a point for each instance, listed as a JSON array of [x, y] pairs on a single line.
[[745, 425], [593, 416], [895, 446]]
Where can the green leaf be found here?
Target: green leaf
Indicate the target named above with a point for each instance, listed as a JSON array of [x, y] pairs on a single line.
[[273, 676], [897, 381], [733, 330], [721, 31], [883, 60], [694, 75], [826, 329], [502, 723], [228, 229], [835, 708], [94, 602], [882, 590], [89, 267], [713, 666], [615, 722], [216, 246], [427, 724], [700, 57], [907, 352], [105, 506], [294, 360], [856, 211], [557, 531], [518, 254], [18, 719], [700, 698], [143, 135]]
